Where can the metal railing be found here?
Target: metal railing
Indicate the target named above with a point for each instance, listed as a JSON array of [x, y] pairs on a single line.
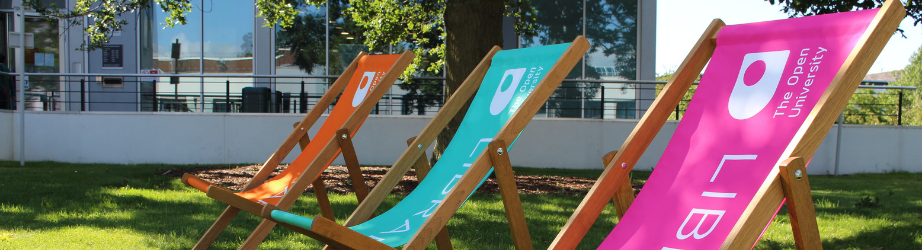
[[231, 93]]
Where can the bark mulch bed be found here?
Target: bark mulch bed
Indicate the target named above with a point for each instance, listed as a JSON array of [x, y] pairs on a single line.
[[337, 180]]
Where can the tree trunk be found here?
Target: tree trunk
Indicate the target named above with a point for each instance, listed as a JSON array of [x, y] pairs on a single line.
[[472, 28]]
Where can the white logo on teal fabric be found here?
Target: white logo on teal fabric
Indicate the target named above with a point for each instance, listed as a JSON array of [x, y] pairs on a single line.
[[756, 84], [502, 97], [367, 80]]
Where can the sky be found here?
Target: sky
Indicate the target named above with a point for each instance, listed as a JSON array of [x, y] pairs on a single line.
[[680, 23]]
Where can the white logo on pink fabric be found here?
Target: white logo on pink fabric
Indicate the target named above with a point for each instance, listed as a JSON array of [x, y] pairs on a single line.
[[756, 84], [502, 97], [367, 81]]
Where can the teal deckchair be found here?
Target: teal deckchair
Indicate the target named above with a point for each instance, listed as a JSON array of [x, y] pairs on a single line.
[[513, 85]]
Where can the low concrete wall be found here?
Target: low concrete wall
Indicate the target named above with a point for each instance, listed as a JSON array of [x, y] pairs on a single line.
[[6, 134], [187, 138]]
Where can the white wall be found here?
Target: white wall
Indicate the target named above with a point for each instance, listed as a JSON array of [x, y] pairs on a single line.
[[187, 138], [6, 134]]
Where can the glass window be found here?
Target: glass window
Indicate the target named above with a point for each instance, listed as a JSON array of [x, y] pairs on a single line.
[[611, 28], [560, 22], [227, 49], [300, 49], [43, 58], [157, 44], [612, 31], [228, 36], [346, 39], [186, 37]]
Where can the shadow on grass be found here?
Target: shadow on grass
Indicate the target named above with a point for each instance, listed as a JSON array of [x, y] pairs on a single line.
[[884, 238], [485, 226], [46, 196], [893, 223]]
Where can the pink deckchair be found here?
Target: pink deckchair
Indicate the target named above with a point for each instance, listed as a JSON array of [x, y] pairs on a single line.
[[771, 92]]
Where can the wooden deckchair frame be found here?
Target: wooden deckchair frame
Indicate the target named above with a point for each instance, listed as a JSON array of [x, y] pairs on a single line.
[[782, 185], [352, 167], [495, 156], [342, 140]]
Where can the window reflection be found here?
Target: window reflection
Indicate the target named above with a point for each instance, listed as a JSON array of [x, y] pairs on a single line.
[[346, 38], [228, 36], [300, 49], [611, 28], [156, 46], [43, 58], [187, 36], [560, 22]]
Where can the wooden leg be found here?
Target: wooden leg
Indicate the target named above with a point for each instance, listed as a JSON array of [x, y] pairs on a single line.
[[505, 177], [796, 188], [322, 200], [219, 225], [258, 235], [422, 163], [320, 190], [624, 196], [352, 164], [442, 239]]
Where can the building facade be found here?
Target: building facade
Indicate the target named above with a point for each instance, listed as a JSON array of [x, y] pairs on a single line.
[[229, 49]]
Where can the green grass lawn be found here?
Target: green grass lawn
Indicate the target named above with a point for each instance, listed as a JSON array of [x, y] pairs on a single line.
[[49, 205]]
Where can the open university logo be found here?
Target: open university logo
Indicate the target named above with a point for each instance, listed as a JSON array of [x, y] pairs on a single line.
[[502, 97], [756, 84], [365, 84]]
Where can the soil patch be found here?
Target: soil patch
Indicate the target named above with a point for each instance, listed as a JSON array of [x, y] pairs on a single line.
[[336, 179]]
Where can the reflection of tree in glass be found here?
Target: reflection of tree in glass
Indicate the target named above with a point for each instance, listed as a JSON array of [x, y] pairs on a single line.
[[247, 46], [422, 93], [46, 42], [345, 54], [611, 28], [305, 39]]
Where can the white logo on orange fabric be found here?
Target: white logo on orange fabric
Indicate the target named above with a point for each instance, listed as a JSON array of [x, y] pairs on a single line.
[[756, 84], [368, 80], [502, 97]]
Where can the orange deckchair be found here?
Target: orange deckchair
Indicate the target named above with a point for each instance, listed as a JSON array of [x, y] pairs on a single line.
[[362, 84], [771, 93]]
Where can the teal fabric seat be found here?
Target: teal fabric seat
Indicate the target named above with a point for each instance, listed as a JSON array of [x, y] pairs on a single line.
[[512, 75]]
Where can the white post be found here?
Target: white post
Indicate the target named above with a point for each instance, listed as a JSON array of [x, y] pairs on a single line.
[[838, 142], [326, 51], [21, 62]]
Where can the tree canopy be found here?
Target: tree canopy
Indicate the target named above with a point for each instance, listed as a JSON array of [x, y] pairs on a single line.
[[912, 100], [796, 8]]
